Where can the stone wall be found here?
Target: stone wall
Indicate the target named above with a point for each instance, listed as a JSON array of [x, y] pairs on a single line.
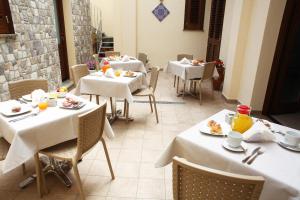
[[33, 53], [82, 30]]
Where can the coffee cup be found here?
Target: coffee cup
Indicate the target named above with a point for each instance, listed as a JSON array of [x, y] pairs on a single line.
[[292, 138], [234, 139]]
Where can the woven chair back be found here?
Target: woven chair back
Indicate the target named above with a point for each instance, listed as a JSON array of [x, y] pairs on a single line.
[[209, 69], [112, 53], [191, 181], [154, 78], [79, 71], [91, 125], [17, 89], [187, 56], [143, 57]]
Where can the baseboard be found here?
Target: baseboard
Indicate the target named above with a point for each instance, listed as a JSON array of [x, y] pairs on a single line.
[[230, 101]]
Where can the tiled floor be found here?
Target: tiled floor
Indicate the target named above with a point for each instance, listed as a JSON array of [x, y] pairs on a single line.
[[133, 152]]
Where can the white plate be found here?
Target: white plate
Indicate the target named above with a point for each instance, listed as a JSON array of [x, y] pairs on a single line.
[[8, 113], [287, 146], [80, 105], [206, 130], [237, 149], [27, 97]]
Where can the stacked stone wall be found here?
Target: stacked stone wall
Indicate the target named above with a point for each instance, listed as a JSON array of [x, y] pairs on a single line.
[[82, 30], [33, 51]]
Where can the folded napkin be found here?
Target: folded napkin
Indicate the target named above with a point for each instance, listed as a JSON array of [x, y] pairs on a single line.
[[125, 58], [110, 73], [185, 61], [258, 133], [37, 95]]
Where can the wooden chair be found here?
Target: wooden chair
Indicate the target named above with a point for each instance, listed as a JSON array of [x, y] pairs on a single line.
[[207, 76], [191, 181], [144, 58], [17, 89], [80, 71], [179, 58], [112, 53], [150, 90], [90, 131]]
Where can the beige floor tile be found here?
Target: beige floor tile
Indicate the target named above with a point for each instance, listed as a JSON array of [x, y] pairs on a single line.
[[148, 170], [123, 187], [113, 154], [150, 155], [130, 155], [127, 170], [100, 168], [151, 188], [131, 143], [96, 185], [7, 195], [169, 189], [153, 144]]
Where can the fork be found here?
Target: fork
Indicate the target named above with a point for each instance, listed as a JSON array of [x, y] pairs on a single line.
[[24, 117]]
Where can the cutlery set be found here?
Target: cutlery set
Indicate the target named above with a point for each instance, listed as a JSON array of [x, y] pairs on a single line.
[[255, 153], [24, 117]]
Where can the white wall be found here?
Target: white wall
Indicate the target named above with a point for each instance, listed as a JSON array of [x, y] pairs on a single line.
[[162, 41], [136, 29], [108, 14], [248, 54]]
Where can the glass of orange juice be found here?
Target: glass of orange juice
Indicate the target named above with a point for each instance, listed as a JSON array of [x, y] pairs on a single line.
[[43, 104]]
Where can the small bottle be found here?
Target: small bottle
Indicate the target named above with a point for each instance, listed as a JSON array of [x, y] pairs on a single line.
[[242, 120]]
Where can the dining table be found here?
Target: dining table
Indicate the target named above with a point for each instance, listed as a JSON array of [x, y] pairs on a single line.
[[35, 130], [279, 166], [131, 64], [120, 87], [185, 71]]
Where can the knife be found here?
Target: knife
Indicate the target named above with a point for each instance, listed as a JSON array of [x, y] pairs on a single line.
[[253, 152]]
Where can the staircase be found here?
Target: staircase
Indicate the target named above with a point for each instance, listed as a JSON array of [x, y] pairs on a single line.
[[104, 43]]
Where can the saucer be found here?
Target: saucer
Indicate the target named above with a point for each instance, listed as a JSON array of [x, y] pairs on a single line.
[[289, 147], [235, 149]]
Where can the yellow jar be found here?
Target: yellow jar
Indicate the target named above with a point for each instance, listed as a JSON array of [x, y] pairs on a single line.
[[241, 122]]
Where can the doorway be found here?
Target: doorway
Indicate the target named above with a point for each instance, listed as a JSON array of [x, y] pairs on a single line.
[[215, 29], [61, 39], [282, 101]]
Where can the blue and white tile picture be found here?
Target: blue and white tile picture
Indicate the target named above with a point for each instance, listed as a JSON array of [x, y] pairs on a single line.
[[161, 12]]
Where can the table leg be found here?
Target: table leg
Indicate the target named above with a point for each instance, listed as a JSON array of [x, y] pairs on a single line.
[[117, 114], [51, 166]]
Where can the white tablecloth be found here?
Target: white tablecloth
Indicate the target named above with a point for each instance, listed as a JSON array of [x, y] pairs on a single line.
[[185, 71], [279, 167], [48, 128], [133, 65], [119, 87]]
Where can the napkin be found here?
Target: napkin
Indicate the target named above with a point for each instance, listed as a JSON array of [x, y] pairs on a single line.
[[185, 61], [37, 95], [125, 58], [110, 73], [258, 133]]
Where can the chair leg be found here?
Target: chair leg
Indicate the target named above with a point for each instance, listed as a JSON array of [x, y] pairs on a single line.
[[177, 89], [78, 180], [154, 101], [127, 111], [40, 178], [174, 80], [107, 158], [150, 101], [111, 105], [184, 84], [200, 92], [23, 168], [91, 97], [125, 108], [97, 99]]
